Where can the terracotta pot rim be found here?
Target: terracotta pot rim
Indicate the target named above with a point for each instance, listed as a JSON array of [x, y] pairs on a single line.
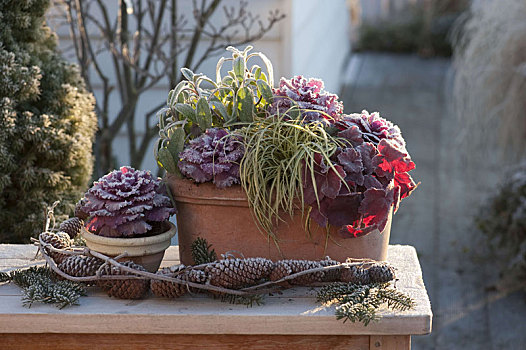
[[132, 242]]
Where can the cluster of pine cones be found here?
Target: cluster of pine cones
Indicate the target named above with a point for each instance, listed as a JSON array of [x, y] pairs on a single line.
[[228, 273], [232, 273], [236, 273]]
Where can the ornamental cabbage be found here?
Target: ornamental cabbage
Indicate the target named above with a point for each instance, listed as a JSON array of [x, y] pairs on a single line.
[[213, 156], [126, 203], [310, 97]]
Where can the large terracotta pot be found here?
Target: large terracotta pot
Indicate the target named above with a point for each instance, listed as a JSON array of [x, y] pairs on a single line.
[[145, 251], [224, 219]]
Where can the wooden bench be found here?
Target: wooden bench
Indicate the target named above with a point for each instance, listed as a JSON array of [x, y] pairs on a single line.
[[291, 320]]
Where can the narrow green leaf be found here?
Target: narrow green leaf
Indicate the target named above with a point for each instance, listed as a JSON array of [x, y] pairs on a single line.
[[270, 70], [165, 159], [156, 148], [188, 74], [175, 92], [218, 69], [257, 72], [245, 105], [187, 111], [263, 77], [203, 114], [239, 68], [265, 90], [161, 114], [221, 109], [176, 144], [196, 77], [208, 80]]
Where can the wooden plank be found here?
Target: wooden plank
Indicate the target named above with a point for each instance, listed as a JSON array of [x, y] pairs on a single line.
[[293, 312], [148, 341], [390, 342], [192, 316], [18, 251], [15, 264]]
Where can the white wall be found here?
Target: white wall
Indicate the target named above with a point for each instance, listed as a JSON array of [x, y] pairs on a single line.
[[313, 40], [318, 40]]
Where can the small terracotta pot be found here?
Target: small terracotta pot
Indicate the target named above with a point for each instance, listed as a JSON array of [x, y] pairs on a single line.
[[145, 251], [224, 219]]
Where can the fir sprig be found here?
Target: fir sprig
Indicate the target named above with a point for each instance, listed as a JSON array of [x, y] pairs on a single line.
[[39, 284], [202, 252], [247, 300], [4, 277], [359, 303]]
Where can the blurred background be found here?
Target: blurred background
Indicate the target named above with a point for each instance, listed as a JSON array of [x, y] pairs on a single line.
[[450, 73]]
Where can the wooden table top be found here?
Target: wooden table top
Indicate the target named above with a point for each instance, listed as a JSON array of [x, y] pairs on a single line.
[[294, 312]]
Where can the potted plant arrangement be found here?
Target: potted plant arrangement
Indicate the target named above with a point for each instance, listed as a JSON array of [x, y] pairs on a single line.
[[279, 172], [126, 211]]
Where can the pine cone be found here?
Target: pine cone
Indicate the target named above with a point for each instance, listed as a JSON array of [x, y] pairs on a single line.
[[236, 273], [355, 274], [59, 240], [79, 213], [196, 276], [330, 275], [289, 267], [381, 273], [376, 273], [281, 269], [124, 289], [72, 227], [165, 289], [80, 266]]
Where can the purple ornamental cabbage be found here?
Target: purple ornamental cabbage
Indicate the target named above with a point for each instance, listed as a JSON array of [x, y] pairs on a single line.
[[125, 203], [308, 94], [369, 127], [213, 156]]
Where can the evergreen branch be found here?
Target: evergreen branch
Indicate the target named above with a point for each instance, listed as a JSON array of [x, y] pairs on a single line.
[[356, 313], [202, 252], [248, 300], [4, 277], [359, 303], [39, 284], [395, 300]]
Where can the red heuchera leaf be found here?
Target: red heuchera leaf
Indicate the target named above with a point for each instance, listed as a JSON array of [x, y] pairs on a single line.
[[352, 164], [344, 209], [320, 169], [353, 135], [390, 159], [349, 231], [396, 198], [406, 184], [351, 160], [333, 181], [367, 152], [371, 182], [375, 179], [375, 207], [318, 214]]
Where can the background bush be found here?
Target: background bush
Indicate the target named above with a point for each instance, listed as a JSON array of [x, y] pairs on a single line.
[[503, 221], [47, 123], [423, 28]]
